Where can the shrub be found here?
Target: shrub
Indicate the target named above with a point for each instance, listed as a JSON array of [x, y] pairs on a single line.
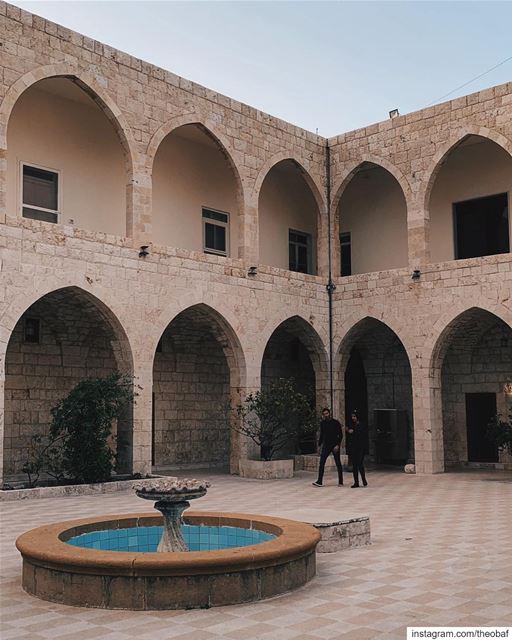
[[83, 423], [275, 417], [500, 432]]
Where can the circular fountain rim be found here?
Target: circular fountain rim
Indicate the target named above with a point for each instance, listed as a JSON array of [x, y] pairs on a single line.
[[46, 546]]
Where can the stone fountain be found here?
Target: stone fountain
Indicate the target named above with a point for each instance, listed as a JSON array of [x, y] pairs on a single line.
[[171, 498]]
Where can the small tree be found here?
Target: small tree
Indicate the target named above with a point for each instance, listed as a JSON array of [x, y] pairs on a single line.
[[500, 432], [275, 416], [83, 420]]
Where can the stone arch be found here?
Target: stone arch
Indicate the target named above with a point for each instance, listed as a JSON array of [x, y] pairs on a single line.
[[294, 349], [384, 207], [355, 165], [198, 374], [99, 94], [445, 149], [471, 356], [80, 336], [210, 128], [87, 83], [373, 372], [313, 184], [287, 196]]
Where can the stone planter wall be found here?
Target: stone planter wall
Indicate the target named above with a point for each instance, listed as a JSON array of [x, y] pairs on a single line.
[[266, 469]]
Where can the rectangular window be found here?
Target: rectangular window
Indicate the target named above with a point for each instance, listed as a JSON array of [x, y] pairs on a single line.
[[31, 330], [215, 232], [481, 227], [346, 254], [299, 249], [40, 193]]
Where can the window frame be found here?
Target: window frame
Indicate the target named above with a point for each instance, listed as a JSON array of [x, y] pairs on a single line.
[[218, 223], [22, 205], [309, 249], [455, 224]]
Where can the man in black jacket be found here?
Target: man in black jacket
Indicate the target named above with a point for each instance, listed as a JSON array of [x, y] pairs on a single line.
[[357, 447], [331, 435]]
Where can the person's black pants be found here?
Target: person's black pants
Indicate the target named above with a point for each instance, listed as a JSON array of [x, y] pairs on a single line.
[[327, 449], [357, 459]]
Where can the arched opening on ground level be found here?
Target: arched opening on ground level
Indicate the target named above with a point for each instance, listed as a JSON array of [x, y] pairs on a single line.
[[376, 378], [372, 222], [197, 193], [66, 161], [288, 215], [62, 338], [468, 201], [472, 363], [197, 374], [295, 350]]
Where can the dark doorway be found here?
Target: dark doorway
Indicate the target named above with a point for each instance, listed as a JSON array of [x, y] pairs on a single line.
[[481, 227], [356, 394], [480, 408]]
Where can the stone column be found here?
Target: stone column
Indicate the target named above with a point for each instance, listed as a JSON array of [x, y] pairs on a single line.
[[322, 246], [139, 206], [243, 447], [418, 234], [3, 349], [428, 421], [248, 233], [141, 448]]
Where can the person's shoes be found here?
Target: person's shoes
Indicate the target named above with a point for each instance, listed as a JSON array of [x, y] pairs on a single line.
[[317, 484], [365, 484], [354, 486], [340, 484]]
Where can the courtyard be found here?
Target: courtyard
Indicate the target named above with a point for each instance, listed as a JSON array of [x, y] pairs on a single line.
[[441, 555]]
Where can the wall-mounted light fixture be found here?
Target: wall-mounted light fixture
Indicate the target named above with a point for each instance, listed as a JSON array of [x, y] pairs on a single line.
[[507, 389], [144, 251], [394, 113], [416, 274], [252, 271]]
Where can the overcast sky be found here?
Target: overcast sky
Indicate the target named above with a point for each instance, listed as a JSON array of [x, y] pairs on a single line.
[[331, 66]]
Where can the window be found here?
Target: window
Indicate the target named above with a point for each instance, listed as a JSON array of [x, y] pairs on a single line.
[[299, 247], [40, 193], [481, 227], [215, 232], [346, 254], [31, 330]]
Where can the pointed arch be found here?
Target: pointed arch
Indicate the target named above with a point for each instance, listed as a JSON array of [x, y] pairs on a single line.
[[454, 141], [88, 83]]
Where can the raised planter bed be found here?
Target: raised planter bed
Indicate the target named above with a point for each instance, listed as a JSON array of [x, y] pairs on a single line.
[[266, 469], [58, 491]]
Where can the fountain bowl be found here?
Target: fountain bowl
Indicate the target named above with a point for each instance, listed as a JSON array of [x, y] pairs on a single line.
[[58, 571]]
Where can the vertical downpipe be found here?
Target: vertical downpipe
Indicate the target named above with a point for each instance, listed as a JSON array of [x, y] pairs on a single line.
[[330, 284]]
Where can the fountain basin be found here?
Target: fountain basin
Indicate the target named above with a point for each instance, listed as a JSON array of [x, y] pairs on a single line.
[[57, 571]]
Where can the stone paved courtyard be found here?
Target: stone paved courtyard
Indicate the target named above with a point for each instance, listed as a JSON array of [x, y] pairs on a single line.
[[441, 555]]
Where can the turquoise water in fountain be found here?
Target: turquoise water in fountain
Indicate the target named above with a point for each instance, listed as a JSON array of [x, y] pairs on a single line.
[[146, 539]]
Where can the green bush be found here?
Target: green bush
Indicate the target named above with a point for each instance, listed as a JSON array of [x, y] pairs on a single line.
[[500, 432], [275, 416], [82, 423]]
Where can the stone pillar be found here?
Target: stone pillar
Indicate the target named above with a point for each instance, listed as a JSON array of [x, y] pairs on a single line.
[[248, 233], [243, 447], [418, 233], [428, 421], [3, 349], [322, 246], [141, 449], [139, 206]]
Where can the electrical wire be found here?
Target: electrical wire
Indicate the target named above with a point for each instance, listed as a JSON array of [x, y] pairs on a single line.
[[470, 81]]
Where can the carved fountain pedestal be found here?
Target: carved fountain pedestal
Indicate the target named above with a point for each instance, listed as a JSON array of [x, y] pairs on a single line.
[[171, 498]]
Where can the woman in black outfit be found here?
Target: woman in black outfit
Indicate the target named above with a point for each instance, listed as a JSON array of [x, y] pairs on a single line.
[[357, 447]]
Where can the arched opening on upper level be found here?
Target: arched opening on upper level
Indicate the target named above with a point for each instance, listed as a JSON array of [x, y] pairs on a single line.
[[372, 221], [468, 200], [197, 193], [288, 219], [66, 160]]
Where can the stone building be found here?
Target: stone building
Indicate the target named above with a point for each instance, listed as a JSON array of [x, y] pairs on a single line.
[[106, 158]]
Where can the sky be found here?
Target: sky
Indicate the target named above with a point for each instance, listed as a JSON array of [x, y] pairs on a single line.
[[326, 66]]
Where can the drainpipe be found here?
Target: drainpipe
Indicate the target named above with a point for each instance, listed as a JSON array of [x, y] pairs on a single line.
[[330, 284]]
